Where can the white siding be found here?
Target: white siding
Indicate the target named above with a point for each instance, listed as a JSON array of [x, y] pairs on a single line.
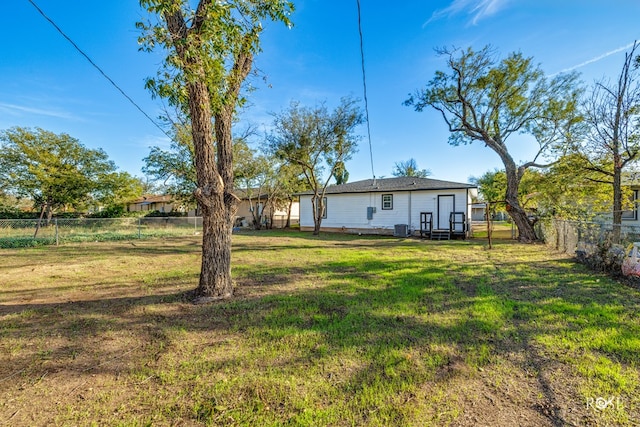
[[350, 210], [427, 201]]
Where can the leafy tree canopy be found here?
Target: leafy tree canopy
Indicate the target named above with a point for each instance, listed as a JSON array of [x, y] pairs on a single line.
[[484, 98], [57, 171], [318, 142], [409, 168], [563, 190]]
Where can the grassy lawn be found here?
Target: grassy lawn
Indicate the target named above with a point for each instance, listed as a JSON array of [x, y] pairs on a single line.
[[499, 230], [337, 330]]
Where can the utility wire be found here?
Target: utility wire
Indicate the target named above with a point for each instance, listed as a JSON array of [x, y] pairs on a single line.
[[98, 68], [364, 85]]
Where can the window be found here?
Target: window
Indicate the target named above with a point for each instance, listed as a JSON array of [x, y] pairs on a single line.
[[387, 201], [324, 208], [632, 214]]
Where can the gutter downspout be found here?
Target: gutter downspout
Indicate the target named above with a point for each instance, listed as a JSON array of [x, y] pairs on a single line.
[[409, 213]]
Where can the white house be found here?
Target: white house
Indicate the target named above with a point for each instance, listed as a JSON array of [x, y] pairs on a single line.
[[400, 206]]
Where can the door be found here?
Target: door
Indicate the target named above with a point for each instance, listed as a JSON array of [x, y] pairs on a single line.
[[446, 205]]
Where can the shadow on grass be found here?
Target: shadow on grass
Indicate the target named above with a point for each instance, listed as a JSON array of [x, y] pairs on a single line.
[[367, 330]]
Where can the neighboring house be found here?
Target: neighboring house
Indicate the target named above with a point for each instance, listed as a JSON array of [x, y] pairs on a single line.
[[479, 213], [151, 203], [246, 207], [377, 206], [630, 217], [631, 180]]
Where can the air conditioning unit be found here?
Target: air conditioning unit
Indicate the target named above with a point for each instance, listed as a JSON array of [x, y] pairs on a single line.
[[401, 230]]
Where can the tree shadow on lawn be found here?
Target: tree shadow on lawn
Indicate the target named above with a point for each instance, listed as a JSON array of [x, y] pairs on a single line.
[[381, 335]]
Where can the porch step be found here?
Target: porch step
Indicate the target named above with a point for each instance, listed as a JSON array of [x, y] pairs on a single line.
[[440, 235]]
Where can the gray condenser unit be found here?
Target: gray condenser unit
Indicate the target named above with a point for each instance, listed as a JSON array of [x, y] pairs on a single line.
[[401, 230]]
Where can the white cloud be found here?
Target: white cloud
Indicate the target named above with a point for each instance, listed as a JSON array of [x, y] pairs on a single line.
[[18, 109], [477, 9], [149, 141], [597, 58]]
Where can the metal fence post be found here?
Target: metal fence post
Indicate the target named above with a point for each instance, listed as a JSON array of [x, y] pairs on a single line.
[[57, 241], [139, 228]]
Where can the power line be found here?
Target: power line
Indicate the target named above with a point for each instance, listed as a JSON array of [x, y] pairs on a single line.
[[364, 85], [98, 68]]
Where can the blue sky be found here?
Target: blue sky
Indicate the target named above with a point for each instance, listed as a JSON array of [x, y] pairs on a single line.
[[45, 82]]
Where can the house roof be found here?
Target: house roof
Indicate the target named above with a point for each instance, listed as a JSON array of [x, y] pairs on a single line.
[[401, 183], [243, 193], [152, 198]]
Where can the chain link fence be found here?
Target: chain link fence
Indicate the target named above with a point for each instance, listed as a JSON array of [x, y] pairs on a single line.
[[591, 242], [572, 236], [32, 232]]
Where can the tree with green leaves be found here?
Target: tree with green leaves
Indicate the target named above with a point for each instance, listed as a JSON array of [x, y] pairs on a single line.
[[492, 186], [291, 182], [115, 191], [257, 178], [173, 167], [175, 171], [56, 171], [568, 190], [563, 190], [318, 142], [340, 173], [612, 114], [409, 168], [209, 54], [482, 98]]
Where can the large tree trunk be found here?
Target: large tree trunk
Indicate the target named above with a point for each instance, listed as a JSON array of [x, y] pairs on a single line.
[[316, 205], [214, 169], [526, 232], [215, 272]]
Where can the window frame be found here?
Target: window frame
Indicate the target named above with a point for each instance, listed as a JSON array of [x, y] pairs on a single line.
[[632, 214], [390, 202], [324, 208]]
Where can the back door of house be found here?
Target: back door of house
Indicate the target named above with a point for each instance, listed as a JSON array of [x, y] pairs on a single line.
[[446, 205]]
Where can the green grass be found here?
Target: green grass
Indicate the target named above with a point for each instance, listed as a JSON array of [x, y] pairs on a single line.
[[330, 330]]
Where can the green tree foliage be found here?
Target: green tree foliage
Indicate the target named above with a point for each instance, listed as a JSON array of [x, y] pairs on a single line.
[[482, 98], [291, 182], [117, 189], [58, 172], [492, 186], [567, 190], [174, 167], [340, 173], [316, 141], [409, 168], [209, 52], [175, 170], [563, 190], [257, 179]]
